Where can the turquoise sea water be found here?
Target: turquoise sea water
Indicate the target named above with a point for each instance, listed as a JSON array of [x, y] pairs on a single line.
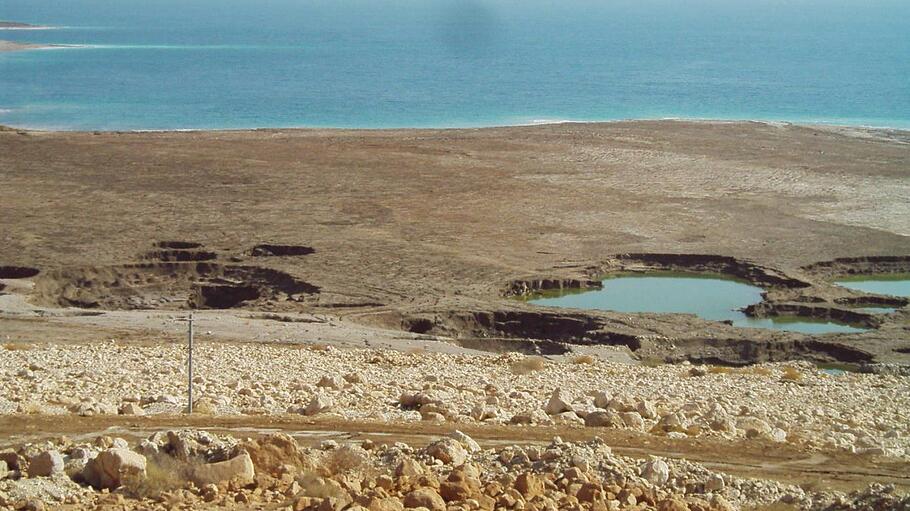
[[167, 64], [714, 299], [893, 284]]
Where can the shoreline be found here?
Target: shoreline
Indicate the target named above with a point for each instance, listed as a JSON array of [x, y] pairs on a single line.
[[11, 46], [7, 46], [16, 25], [662, 120]]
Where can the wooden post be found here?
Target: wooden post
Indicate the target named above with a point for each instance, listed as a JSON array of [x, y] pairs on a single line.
[[190, 364]]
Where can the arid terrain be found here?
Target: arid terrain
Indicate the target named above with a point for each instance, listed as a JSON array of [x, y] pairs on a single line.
[[431, 231], [366, 286]]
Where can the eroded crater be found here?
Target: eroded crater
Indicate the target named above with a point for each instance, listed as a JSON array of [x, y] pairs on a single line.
[[779, 301], [860, 266], [168, 285], [178, 245], [714, 288], [181, 255], [700, 263], [221, 296], [268, 250], [18, 272]]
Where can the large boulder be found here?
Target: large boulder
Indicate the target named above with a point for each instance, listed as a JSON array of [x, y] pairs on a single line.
[[467, 442], [559, 402], [656, 471], [409, 467], [331, 382], [754, 427], [604, 419], [409, 400], [632, 420], [646, 409], [45, 464], [320, 403], [463, 483], [529, 485], [602, 399], [385, 504], [187, 444], [238, 469], [112, 467], [448, 451], [12, 459], [425, 498], [131, 409], [273, 452], [621, 404]]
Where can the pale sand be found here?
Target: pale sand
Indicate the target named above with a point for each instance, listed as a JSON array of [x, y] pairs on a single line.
[[14, 46]]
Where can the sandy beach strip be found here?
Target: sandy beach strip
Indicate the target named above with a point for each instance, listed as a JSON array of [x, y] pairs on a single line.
[[8, 46], [14, 46]]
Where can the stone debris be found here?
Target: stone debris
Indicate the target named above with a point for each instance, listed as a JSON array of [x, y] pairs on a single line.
[[860, 413], [44, 464], [112, 467], [238, 469], [274, 472], [857, 413], [559, 403], [319, 404]]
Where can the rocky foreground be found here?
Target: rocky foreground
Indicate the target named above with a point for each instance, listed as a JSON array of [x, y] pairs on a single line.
[[788, 404], [192, 469]]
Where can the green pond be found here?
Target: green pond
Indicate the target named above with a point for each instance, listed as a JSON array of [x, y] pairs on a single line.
[[711, 298], [895, 284]]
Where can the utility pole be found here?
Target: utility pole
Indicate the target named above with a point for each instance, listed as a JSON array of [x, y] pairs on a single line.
[[190, 364]]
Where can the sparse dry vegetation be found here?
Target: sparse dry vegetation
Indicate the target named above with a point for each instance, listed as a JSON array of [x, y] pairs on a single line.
[[529, 365], [743, 371], [756, 371], [584, 359], [312, 485], [163, 474], [791, 374], [343, 461], [17, 346], [32, 408]]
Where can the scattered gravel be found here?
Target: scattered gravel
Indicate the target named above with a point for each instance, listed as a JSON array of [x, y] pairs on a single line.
[[867, 413]]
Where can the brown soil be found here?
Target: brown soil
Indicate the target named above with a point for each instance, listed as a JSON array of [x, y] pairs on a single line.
[[432, 231]]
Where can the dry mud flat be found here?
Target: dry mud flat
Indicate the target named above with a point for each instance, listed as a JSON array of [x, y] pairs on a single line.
[[436, 231]]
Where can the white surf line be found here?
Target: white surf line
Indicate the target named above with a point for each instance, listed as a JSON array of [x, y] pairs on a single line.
[[33, 28]]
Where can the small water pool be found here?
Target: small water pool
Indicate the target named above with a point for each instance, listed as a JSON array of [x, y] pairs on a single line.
[[711, 298], [877, 310], [894, 284]]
